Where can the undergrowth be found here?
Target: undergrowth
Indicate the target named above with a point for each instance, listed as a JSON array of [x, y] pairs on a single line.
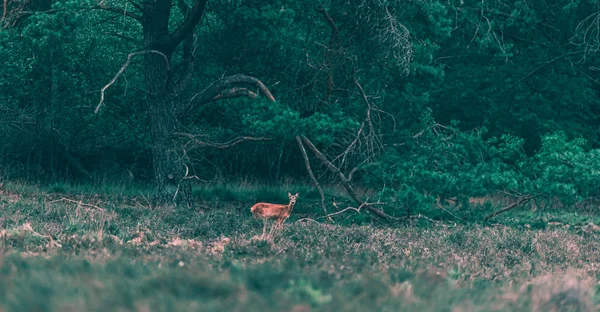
[[81, 251]]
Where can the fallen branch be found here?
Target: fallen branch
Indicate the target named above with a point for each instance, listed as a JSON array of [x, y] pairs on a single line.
[[311, 174], [450, 213], [523, 200], [345, 209], [224, 145], [345, 181], [123, 68], [75, 202], [307, 219]]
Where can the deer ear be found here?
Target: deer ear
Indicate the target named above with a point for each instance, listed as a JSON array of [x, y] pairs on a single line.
[[289, 194], [297, 195]]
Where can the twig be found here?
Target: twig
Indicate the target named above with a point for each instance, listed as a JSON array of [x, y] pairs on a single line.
[[450, 213], [307, 219], [120, 72], [505, 209], [75, 202], [224, 145], [344, 210], [538, 69]]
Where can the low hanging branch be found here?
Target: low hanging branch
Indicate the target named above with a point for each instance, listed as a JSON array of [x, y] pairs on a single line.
[[222, 89], [345, 181], [311, 174], [522, 201]]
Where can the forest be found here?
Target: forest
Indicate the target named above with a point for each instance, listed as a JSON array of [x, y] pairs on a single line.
[[444, 155]]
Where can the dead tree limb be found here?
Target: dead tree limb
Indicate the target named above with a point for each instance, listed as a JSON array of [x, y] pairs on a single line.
[[522, 201], [345, 181], [311, 174], [123, 68], [224, 145], [223, 89]]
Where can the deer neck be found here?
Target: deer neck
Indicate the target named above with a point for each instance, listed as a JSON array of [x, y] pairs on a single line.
[[290, 207]]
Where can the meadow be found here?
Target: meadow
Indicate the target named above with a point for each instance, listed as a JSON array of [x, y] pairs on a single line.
[[85, 248]]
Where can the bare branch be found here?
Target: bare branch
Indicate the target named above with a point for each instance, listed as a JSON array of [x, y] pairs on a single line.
[[523, 200], [120, 72], [539, 68], [194, 139], [119, 11], [366, 135], [311, 174], [587, 35], [234, 93], [345, 181], [215, 90], [75, 202]]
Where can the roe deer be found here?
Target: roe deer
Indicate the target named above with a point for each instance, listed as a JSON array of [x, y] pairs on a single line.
[[274, 211]]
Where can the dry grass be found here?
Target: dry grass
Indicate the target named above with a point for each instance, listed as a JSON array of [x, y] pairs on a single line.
[[58, 255]]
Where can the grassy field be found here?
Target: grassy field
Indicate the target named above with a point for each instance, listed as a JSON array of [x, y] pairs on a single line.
[[105, 249]]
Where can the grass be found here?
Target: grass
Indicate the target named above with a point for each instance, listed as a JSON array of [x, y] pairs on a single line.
[[112, 252]]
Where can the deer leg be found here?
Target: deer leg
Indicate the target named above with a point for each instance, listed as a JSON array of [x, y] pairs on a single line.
[[272, 228], [264, 227]]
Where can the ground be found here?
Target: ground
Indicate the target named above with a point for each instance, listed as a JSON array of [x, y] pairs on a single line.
[[65, 249]]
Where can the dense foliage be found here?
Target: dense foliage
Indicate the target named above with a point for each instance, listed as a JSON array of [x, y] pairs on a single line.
[[418, 99]]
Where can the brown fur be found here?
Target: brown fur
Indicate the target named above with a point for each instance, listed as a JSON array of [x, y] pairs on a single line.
[[278, 212]]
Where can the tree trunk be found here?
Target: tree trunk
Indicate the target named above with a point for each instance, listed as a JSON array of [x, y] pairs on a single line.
[[168, 157], [167, 154]]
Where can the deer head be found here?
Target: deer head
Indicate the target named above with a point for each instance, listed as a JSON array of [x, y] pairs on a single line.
[[293, 199]]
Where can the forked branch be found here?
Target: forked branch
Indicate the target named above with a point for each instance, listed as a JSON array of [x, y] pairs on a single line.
[[345, 181], [123, 68]]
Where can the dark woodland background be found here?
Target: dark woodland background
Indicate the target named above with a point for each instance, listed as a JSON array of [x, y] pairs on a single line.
[[410, 99]]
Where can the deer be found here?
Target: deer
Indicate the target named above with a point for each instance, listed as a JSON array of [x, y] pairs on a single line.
[[274, 211]]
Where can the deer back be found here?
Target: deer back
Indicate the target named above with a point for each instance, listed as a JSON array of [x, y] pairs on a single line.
[[267, 210]]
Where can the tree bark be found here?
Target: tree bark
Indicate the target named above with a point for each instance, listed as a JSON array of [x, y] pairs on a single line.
[[167, 154]]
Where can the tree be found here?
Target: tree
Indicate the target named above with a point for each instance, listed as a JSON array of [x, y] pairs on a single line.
[[165, 84]]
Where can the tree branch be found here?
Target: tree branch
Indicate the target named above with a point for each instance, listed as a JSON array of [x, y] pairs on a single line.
[[119, 11], [332, 40], [311, 174], [234, 93], [523, 200], [188, 64], [120, 72], [4, 9], [192, 19], [228, 144], [345, 181], [221, 89], [538, 69], [130, 39]]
